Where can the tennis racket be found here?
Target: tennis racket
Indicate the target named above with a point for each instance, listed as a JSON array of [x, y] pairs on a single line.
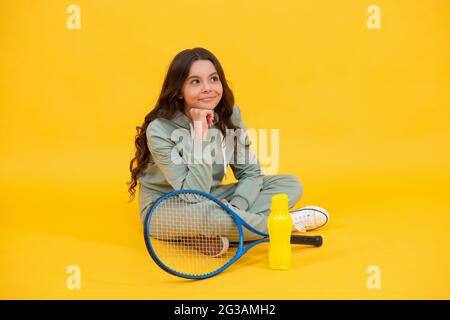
[[194, 235]]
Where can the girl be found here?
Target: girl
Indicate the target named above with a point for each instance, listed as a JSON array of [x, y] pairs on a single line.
[[196, 104]]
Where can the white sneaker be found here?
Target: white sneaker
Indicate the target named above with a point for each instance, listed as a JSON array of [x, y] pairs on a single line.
[[214, 246], [309, 218]]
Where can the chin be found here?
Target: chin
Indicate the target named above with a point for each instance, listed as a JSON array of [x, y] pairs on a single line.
[[208, 105]]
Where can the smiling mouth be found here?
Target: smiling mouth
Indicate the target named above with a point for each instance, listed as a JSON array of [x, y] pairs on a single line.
[[209, 98]]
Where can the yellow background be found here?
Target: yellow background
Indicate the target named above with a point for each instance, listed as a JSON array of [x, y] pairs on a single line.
[[363, 118]]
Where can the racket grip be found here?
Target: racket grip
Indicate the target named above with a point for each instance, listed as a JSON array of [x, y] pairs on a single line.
[[312, 240]]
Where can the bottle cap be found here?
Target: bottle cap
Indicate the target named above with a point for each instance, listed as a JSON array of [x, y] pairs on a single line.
[[280, 202]]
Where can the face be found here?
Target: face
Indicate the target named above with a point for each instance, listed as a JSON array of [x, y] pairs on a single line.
[[202, 82]]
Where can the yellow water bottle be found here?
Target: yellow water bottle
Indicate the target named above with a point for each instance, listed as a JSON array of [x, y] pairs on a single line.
[[280, 228]]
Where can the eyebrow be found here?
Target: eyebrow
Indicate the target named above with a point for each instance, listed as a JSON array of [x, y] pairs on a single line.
[[194, 76]]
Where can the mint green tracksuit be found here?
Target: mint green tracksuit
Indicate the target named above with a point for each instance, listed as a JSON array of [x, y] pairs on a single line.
[[176, 164]]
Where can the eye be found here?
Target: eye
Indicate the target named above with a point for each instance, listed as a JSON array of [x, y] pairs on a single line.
[[216, 78]]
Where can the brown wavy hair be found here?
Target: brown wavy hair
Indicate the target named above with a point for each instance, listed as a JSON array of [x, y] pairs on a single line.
[[169, 102]]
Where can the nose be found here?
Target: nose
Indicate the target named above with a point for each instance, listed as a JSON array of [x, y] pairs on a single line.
[[206, 87]]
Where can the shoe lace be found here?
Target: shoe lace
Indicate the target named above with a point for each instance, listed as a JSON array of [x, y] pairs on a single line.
[[303, 220]]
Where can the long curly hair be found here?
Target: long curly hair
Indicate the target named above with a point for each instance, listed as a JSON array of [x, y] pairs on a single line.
[[169, 102]]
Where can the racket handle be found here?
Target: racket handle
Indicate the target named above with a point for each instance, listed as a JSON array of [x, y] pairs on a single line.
[[312, 240]]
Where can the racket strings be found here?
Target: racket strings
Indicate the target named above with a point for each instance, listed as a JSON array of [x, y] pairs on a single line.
[[192, 234]]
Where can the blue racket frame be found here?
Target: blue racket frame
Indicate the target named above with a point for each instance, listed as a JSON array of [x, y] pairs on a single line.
[[239, 222]]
